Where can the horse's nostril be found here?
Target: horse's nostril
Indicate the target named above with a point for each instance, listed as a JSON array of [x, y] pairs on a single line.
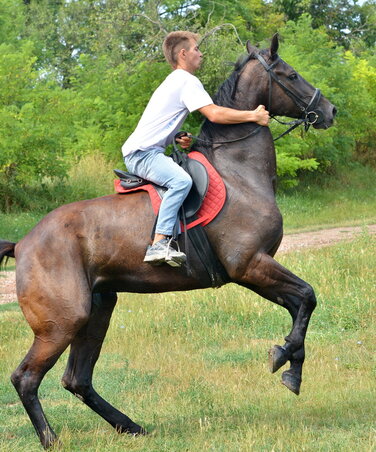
[[334, 111]]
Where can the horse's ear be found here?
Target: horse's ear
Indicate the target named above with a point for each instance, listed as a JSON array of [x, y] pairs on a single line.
[[274, 45], [251, 48]]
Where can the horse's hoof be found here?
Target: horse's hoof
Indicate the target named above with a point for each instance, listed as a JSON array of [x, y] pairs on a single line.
[[141, 431], [278, 356], [49, 444], [291, 382], [134, 430]]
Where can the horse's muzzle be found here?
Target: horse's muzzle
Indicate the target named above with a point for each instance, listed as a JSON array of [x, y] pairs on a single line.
[[325, 116]]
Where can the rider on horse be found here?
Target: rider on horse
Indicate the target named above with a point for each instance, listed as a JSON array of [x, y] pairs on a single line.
[[178, 95]]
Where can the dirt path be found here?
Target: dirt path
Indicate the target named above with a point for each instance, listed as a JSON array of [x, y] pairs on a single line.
[[290, 242], [324, 237]]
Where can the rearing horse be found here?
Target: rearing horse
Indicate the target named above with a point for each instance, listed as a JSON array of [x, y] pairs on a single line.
[[70, 266]]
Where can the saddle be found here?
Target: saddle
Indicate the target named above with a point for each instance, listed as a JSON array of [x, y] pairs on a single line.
[[194, 168], [197, 210]]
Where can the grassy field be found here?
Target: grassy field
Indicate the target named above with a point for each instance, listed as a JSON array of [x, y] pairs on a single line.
[[192, 368], [347, 199]]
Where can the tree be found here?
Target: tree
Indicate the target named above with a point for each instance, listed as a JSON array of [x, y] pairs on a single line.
[[75, 76], [11, 21], [120, 30], [344, 20]]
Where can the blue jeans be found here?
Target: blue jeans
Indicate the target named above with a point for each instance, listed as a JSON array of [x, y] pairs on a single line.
[[153, 165]]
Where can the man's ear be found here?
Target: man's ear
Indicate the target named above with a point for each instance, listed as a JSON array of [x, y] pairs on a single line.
[[182, 53]]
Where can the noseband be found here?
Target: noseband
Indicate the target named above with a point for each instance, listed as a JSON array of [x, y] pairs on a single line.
[[310, 113]]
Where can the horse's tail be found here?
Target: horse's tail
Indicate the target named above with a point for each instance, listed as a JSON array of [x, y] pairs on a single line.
[[6, 249]]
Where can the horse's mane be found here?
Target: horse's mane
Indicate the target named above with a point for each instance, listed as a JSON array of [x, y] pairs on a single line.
[[224, 97], [226, 92]]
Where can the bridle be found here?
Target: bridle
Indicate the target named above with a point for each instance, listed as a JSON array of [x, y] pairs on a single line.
[[310, 113]]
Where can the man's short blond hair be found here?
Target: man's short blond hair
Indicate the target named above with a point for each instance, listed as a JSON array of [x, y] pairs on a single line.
[[174, 42]]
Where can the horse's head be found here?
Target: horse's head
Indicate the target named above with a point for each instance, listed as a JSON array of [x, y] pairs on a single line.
[[281, 89]]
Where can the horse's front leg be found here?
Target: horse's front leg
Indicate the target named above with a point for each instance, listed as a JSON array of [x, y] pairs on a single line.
[[272, 281]]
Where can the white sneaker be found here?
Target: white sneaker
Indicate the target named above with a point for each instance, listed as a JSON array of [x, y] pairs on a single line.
[[162, 252]]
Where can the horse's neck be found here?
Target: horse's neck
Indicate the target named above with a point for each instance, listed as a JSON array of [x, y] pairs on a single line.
[[245, 147], [250, 161]]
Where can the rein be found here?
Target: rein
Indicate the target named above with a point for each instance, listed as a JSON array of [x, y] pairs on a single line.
[[250, 134], [195, 137]]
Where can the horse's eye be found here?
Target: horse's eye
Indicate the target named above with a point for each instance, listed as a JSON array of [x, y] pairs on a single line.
[[293, 76]]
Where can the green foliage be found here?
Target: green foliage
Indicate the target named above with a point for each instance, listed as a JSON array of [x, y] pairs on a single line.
[[115, 109], [362, 105], [346, 21], [76, 76], [36, 121], [253, 19], [15, 226], [11, 21], [344, 79]]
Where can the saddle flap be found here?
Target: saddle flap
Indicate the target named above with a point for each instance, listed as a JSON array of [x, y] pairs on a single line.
[[200, 185]]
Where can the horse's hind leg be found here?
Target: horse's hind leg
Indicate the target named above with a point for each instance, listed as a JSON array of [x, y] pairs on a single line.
[[27, 378], [84, 353], [272, 281], [51, 339]]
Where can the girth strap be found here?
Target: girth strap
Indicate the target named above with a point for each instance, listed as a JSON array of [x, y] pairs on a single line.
[[215, 270]]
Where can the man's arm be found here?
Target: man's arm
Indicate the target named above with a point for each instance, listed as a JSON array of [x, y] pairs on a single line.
[[224, 115]]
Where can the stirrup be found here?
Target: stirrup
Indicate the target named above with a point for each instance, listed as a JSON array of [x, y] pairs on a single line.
[[176, 261]]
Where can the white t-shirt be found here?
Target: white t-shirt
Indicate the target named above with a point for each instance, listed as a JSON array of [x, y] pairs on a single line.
[[179, 94]]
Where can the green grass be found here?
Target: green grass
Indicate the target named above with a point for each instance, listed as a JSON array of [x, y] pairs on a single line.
[[192, 368], [14, 226], [349, 198]]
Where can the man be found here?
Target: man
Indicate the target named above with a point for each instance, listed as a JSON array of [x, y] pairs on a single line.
[[179, 94]]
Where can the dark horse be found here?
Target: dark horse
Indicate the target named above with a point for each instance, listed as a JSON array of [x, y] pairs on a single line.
[[70, 266]]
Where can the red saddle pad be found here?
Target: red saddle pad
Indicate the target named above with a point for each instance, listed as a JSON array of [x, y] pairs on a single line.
[[213, 202]]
